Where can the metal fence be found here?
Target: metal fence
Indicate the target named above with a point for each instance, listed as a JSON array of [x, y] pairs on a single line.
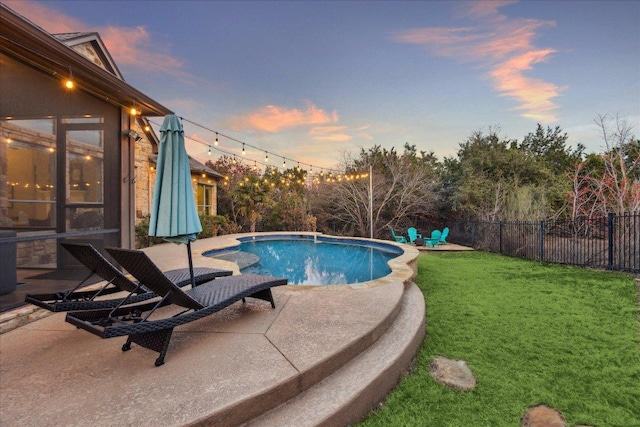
[[611, 242]]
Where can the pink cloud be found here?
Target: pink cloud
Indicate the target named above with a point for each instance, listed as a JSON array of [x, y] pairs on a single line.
[[132, 47], [47, 18], [330, 134], [534, 95], [272, 118], [487, 10], [503, 45]]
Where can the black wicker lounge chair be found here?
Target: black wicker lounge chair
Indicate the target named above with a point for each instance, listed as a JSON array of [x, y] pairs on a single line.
[[142, 322], [76, 299]]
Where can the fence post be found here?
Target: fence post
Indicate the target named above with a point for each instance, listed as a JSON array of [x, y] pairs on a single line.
[[500, 234], [542, 240], [610, 249]]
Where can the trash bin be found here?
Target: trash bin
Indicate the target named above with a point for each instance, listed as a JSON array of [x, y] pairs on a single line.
[[8, 253]]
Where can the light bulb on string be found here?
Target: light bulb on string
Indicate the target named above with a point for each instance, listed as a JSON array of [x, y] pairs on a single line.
[[266, 156], [209, 152], [216, 143], [68, 83], [244, 153]]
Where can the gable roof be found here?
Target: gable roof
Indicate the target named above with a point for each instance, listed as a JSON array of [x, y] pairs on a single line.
[[90, 45], [27, 42]]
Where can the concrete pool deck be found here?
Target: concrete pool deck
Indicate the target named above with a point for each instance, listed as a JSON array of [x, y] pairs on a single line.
[[324, 356]]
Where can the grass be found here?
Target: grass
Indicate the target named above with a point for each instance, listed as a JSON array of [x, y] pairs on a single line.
[[531, 333]]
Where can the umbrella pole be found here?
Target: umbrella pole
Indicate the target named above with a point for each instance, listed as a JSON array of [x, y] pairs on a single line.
[[193, 282]]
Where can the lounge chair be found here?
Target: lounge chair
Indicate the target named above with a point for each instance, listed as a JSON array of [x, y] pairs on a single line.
[[398, 239], [413, 234], [144, 326], [443, 237], [75, 299], [434, 240]]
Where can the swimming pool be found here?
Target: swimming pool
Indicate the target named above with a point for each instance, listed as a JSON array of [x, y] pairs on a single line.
[[310, 260]]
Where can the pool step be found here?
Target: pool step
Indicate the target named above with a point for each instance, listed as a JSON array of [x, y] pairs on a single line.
[[350, 393]]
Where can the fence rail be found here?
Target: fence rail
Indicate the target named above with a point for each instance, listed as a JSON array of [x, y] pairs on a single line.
[[611, 242]]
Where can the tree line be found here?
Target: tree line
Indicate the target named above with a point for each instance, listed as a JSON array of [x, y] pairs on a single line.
[[491, 178]]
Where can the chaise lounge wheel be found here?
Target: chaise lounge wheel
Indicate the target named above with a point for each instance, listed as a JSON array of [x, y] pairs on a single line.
[[126, 346], [160, 361]]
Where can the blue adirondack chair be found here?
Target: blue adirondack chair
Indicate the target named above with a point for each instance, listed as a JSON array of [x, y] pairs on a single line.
[[434, 240], [399, 239], [443, 237], [413, 234]]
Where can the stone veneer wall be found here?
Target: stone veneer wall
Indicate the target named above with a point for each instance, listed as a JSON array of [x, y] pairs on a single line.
[[39, 253], [10, 320], [144, 176]]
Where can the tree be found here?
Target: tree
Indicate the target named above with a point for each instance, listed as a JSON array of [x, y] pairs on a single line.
[[290, 208], [233, 172], [402, 190], [251, 196], [496, 179], [550, 148], [608, 182]]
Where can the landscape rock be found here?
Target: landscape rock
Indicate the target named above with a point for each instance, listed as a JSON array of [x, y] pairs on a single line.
[[452, 373], [542, 416]]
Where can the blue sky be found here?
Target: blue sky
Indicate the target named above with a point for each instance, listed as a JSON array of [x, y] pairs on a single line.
[[318, 81]]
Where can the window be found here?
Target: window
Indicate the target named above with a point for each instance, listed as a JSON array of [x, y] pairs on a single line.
[[205, 199], [84, 166], [30, 173]]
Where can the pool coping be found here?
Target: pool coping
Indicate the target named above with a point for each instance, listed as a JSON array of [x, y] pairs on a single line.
[[403, 267]]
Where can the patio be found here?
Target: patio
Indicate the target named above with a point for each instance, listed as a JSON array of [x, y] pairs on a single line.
[[334, 351]]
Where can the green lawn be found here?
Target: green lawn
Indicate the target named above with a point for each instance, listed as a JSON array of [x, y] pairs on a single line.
[[531, 333]]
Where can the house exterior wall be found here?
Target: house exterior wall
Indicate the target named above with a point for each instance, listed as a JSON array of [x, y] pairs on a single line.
[[30, 95], [144, 174], [74, 181]]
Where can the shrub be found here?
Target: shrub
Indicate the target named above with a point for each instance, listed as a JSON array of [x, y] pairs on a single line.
[[143, 240], [212, 225]]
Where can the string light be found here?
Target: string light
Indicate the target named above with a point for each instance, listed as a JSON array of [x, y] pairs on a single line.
[[331, 178], [134, 110], [68, 83], [209, 152]]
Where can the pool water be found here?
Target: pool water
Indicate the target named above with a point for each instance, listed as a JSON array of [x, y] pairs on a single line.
[[309, 262]]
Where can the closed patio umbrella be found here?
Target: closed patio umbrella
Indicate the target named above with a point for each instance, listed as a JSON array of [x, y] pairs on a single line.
[[174, 216]]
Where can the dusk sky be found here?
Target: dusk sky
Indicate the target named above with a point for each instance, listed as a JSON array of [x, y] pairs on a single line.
[[311, 81]]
